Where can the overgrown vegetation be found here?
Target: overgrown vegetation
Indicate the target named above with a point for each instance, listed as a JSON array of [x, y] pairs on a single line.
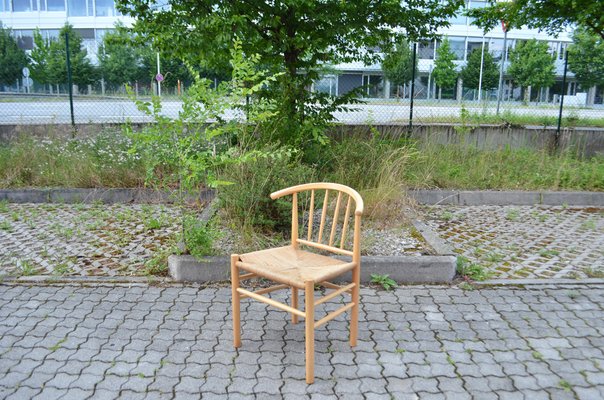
[[103, 160]]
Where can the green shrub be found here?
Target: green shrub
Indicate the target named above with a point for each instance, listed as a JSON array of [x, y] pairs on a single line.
[[246, 201], [198, 237]]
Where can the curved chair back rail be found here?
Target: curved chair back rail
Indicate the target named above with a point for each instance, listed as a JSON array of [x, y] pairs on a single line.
[[322, 240]]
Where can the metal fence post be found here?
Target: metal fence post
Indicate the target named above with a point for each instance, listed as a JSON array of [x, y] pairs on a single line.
[[504, 56], [412, 95], [69, 80], [557, 137]]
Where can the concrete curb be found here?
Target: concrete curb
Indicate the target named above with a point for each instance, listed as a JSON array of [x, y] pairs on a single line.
[[403, 269], [48, 279], [422, 196], [439, 268], [538, 282], [506, 198], [106, 196]]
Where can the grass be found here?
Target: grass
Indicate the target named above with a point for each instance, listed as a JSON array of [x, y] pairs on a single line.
[[509, 118], [103, 160], [379, 168], [472, 271]]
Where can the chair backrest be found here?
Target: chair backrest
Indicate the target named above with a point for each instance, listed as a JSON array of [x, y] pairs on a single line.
[[334, 240]]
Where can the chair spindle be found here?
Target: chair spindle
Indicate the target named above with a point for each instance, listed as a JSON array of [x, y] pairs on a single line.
[[345, 227], [311, 216], [336, 214], [323, 215]]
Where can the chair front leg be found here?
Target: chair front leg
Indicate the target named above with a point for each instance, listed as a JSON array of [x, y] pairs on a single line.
[[236, 299], [309, 320]]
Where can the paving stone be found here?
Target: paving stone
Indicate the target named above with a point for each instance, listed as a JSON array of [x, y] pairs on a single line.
[[441, 365]]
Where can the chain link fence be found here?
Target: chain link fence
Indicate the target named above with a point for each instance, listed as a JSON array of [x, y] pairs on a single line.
[[42, 95]]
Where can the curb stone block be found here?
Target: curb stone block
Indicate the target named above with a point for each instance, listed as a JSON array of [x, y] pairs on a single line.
[[403, 269], [519, 198], [573, 198], [24, 195]]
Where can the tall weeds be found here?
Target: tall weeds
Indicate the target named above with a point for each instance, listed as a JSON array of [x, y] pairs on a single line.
[[100, 161]]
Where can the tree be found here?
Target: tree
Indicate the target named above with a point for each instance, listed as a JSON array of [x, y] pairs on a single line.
[[471, 72], [553, 16], [398, 64], [12, 58], [586, 58], [82, 70], [120, 58], [445, 73], [39, 59], [293, 38], [531, 65]]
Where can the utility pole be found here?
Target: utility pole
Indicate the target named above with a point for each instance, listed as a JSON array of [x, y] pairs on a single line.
[[481, 67]]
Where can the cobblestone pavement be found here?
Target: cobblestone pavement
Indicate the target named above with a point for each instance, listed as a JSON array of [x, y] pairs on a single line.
[[527, 241], [79, 342], [82, 239]]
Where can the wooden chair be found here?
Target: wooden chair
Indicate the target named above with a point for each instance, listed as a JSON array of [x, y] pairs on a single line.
[[294, 268]]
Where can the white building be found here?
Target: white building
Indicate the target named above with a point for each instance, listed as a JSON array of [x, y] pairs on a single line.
[[92, 18], [463, 38]]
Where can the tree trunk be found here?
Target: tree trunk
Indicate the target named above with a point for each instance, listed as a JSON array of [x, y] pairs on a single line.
[[591, 96], [440, 93], [527, 95]]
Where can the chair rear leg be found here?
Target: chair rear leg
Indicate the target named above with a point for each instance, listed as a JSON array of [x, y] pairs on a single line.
[[309, 321], [354, 311], [294, 303], [236, 299]]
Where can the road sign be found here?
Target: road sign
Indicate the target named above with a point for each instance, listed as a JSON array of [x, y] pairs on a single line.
[[27, 82], [159, 77], [25, 72]]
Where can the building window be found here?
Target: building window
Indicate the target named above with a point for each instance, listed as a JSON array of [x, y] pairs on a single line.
[[476, 44], [105, 8], [458, 46], [25, 39], [562, 52], [425, 50], [476, 4], [374, 86], [79, 8], [22, 6], [55, 5], [327, 84], [495, 46], [459, 18]]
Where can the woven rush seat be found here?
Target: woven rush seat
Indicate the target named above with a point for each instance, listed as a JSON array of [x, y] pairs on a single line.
[[293, 266]]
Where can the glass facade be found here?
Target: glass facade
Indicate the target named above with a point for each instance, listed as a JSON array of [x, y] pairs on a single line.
[[55, 5], [74, 8]]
